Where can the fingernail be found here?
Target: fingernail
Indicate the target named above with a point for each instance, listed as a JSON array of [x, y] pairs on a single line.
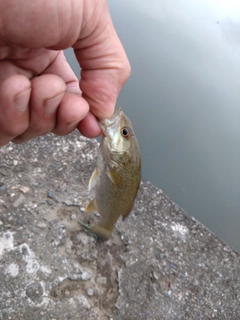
[[22, 100], [51, 105]]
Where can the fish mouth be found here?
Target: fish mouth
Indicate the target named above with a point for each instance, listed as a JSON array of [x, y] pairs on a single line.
[[111, 122]]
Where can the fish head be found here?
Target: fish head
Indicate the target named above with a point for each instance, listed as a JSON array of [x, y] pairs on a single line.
[[118, 140]]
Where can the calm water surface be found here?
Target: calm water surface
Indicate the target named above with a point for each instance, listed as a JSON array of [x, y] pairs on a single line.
[[183, 98]]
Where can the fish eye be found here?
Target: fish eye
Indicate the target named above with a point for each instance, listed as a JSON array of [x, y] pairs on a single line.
[[126, 132]]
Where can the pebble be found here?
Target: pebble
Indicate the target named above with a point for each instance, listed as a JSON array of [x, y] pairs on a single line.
[[49, 202], [102, 280], [24, 189], [73, 216], [18, 202], [50, 195], [54, 222], [90, 292], [67, 293], [20, 221], [3, 188], [86, 275], [33, 229], [42, 225]]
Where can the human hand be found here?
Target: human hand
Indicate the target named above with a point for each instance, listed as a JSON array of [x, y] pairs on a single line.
[[39, 92]]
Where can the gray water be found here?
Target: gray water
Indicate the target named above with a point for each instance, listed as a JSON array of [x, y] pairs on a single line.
[[183, 98]]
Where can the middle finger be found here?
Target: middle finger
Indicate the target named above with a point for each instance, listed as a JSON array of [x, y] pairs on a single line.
[[47, 93]]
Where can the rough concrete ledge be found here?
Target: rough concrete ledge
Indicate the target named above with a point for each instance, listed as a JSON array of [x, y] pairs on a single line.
[[159, 264]]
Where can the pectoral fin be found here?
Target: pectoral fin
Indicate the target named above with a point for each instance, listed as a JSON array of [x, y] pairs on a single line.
[[114, 176], [93, 179], [92, 206]]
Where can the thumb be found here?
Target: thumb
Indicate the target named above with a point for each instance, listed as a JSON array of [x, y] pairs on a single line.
[[103, 61]]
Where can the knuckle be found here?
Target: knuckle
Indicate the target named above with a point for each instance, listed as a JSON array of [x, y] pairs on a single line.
[[124, 72]]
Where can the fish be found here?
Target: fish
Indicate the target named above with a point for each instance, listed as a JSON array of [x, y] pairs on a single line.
[[117, 175]]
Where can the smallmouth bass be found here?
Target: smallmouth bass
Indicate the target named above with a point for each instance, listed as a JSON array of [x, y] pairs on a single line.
[[117, 175]]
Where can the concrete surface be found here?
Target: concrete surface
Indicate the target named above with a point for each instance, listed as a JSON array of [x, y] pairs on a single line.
[[159, 264]]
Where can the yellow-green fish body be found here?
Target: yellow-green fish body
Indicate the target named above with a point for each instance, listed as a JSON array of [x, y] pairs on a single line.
[[117, 175]]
